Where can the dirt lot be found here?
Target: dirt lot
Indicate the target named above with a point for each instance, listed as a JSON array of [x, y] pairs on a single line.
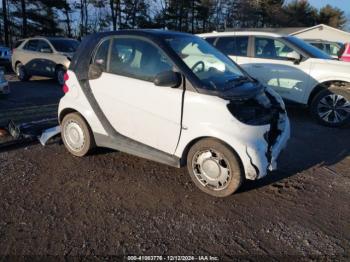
[[110, 203]]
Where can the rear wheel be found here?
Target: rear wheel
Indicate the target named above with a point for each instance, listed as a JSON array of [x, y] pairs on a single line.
[[22, 73], [331, 107], [214, 168], [77, 135]]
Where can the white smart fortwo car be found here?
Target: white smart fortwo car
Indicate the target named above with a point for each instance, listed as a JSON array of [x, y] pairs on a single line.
[[172, 98], [298, 71]]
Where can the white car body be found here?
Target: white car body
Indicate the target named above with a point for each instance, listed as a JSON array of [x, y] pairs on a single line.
[[156, 111], [293, 81], [161, 123]]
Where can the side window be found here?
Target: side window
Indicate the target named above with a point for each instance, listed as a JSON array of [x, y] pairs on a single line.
[[237, 46], [334, 49], [101, 55], [242, 46], [44, 47], [318, 45], [226, 45], [271, 49], [210, 40], [138, 59], [31, 45]]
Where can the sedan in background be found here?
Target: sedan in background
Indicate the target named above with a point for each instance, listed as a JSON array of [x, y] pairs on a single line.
[[43, 56], [5, 56]]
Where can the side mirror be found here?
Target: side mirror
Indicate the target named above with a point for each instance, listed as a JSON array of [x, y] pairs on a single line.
[[294, 56], [168, 79], [95, 71], [45, 50]]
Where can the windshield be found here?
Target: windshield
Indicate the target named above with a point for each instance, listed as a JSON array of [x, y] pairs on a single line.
[[214, 69], [65, 45], [307, 48]]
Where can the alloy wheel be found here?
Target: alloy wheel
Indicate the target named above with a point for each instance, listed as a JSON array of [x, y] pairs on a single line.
[[334, 108]]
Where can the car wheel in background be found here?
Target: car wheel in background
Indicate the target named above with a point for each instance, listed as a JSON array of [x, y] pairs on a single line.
[[77, 135], [60, 71], [331, 107], [22, 73], [214, 168]]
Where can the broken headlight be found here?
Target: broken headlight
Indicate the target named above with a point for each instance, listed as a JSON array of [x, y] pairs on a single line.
[[260, 110]]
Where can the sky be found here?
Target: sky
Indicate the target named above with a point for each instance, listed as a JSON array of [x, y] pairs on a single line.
[[341, 4]]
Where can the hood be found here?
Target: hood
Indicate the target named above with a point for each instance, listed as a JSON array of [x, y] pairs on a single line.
[[243, 91]]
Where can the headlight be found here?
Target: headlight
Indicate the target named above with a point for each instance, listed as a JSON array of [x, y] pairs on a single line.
[[260, 110]]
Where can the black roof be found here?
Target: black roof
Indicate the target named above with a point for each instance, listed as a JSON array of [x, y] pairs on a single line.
[[81, 60]]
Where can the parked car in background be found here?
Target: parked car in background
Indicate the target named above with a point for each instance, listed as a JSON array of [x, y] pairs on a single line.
[[298, 71], [172, 98], [5, 56], [43, 56], [330, 48], [4, 86], [344, 53]]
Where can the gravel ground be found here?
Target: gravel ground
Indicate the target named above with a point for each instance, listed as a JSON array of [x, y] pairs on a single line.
[[110, 203]]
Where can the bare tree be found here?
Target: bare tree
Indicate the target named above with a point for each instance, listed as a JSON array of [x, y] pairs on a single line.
[[6, 22]]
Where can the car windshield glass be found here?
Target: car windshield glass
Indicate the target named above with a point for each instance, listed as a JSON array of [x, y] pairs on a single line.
[[307, 48], [64, 45], [214, 69]]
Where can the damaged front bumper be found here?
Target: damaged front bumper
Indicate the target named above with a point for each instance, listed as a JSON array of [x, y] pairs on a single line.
[[270, 141], [263, 156]]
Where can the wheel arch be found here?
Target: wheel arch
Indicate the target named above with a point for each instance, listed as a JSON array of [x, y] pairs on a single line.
[[60, 66], [185, 152], [67, 111], [322, 86]]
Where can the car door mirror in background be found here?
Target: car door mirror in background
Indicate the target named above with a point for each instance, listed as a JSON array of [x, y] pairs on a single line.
[[294, 56], [168, 79], [95, 71]]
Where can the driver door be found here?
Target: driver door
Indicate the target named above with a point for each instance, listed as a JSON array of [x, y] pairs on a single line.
[[134, 106]]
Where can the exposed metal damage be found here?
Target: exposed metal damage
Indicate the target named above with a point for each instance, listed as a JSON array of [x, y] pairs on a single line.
[[265, 109]]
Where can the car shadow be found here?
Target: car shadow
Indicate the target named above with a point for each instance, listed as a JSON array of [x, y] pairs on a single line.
[[311, 145]]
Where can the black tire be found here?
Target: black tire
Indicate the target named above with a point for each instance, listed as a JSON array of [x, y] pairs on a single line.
[[336, 115], [22, 73], [197, 172], [59, 73], [73, 122]]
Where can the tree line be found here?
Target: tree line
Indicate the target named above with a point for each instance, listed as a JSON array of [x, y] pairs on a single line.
[[23, 18]]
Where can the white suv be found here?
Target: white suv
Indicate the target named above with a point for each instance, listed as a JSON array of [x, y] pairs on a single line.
[[298, 71], [174, 99]]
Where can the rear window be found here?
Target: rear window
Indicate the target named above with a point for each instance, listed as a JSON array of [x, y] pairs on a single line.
[[65, 45]]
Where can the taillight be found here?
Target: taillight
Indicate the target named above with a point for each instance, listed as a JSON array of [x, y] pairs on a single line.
[[65, 87], [66, 77]]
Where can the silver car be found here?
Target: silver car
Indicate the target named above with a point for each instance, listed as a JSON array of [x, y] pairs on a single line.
[[43, 56]]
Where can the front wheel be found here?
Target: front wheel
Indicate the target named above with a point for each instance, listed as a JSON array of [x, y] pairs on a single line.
[[22, 73], [77, 135], [214, 168], [331, 107]]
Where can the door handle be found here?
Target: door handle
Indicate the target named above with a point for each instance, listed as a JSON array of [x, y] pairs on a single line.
[[258, 66]]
